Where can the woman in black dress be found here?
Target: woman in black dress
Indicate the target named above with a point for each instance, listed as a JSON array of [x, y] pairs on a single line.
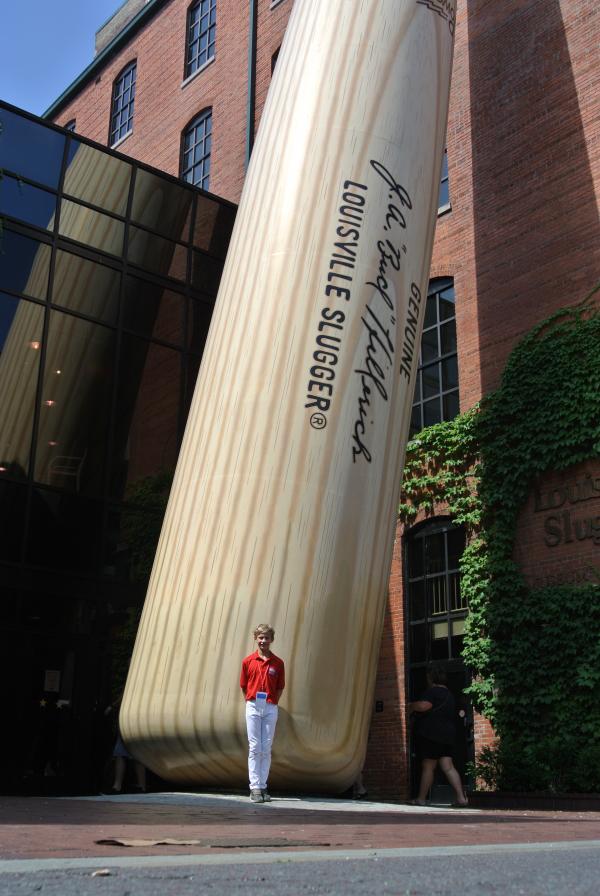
[[436, 733]]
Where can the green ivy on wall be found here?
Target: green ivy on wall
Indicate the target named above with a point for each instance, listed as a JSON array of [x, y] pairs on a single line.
[[534, 653]]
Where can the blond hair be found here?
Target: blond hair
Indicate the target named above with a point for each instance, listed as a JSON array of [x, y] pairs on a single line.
[[264, 629]]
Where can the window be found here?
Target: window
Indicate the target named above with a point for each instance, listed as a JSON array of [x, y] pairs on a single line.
[[121, 120], [197, 138], [70, 125], [274, 59], [444, 194], [436, 608], [201, 33], [436, 388]]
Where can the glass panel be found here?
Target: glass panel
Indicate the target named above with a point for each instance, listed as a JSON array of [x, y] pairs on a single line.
[[435, 553], [206, 273], [133, 536], [444, 195], [161, 205], [13, 501], [147, 415], [451, 405], [446, 300], [416, 601], [458, 626], [416, 565], [418, 643], [436, 595], [431, 380], [26, 203], [417, 395], [157, 255], [213, 226], [21, 332], [429, 345], [431, 412], [86, 286], [439, 648], [456, 546], [153, 311], [64, 531], [98, 178], [448, 337], [415, 420], [450, 373], [457, 601], [439, 630], [200, 315], [24, 265], [75, 407], [29, 149], [430, 312], [91, 228]]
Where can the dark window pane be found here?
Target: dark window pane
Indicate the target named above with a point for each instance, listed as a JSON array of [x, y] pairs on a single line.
[[157, 255], [20, 350], [213, 226], [415, 420], [418, 643], [439, 641], [416, 601], [95, 177], [24, 265], [147, 417], [448, 337], [153, 311], [446, 299], [200, 314], [416, 556], [206, 273], [431, 380], [12, 518], [86, 286], [64, 531], [197, 140], [430, 312], [450, 373], [429, 346], [456, 546], [431, 412], [451, 405], [26, 203], [29, 149], [75, 406], [417, 395], [437, 600], [191, 376], [133, 533], [161, 205], [435, 553], [444, 195], [91, 228]]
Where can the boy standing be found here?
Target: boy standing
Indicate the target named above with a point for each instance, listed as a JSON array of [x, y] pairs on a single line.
[[262, 681]]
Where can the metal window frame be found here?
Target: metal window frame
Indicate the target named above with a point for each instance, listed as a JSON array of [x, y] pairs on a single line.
[[199, 25]]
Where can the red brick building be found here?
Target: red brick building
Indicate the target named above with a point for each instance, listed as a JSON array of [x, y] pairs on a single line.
[[518, 232]]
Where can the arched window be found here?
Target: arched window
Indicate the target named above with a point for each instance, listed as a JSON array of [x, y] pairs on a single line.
[[121, 119], [436, 610], [196, 146], [436, 389], [201, 35], [444, 195]]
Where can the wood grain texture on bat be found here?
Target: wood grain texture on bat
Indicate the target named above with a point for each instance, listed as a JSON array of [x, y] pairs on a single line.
[[284, 500]]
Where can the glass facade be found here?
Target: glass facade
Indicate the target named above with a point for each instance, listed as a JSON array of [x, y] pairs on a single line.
[[108, 276]]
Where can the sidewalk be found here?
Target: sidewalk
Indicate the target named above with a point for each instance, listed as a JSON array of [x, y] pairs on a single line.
[[50, 828]]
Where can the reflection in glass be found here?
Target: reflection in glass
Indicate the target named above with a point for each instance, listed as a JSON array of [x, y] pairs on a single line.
[[448, 337], [447, 300], [75, 405], [20, 350], [12, 518], [431, 380], [133, 532], [92, 228], [153, 311], [31, 151], [157, 255], [450, 373], [429, 345], [95, 177], [161, 205], [213, 226], [24, 265], [86, 286], [26, 203], [200, 314], [206, 273], [431, 412], [146, 438]]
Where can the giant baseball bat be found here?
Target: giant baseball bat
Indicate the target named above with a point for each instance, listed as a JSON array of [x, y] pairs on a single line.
[[284, 501]]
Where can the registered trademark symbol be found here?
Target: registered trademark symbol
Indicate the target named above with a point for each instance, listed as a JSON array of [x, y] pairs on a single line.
[[318, 421]]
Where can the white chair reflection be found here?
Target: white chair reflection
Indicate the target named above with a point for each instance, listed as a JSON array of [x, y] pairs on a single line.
[[65, 466]]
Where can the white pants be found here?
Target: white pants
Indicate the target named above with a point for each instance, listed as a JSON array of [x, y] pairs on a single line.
[[261, 718]]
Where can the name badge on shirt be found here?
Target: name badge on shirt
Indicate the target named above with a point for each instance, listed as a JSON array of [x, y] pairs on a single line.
[[261, 695]]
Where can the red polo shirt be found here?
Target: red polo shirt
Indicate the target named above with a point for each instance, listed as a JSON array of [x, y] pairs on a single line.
[[260, 674]]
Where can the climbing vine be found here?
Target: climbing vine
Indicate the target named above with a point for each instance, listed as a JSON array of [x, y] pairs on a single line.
[[534, 653]]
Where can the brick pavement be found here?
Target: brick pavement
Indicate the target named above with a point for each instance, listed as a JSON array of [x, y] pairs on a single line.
[[38, 827]]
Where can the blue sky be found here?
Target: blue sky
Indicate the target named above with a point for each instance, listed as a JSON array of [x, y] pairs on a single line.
[[45, 45]]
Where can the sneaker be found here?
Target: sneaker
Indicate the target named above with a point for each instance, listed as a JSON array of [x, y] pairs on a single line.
[[256, 796], [266, 796]]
